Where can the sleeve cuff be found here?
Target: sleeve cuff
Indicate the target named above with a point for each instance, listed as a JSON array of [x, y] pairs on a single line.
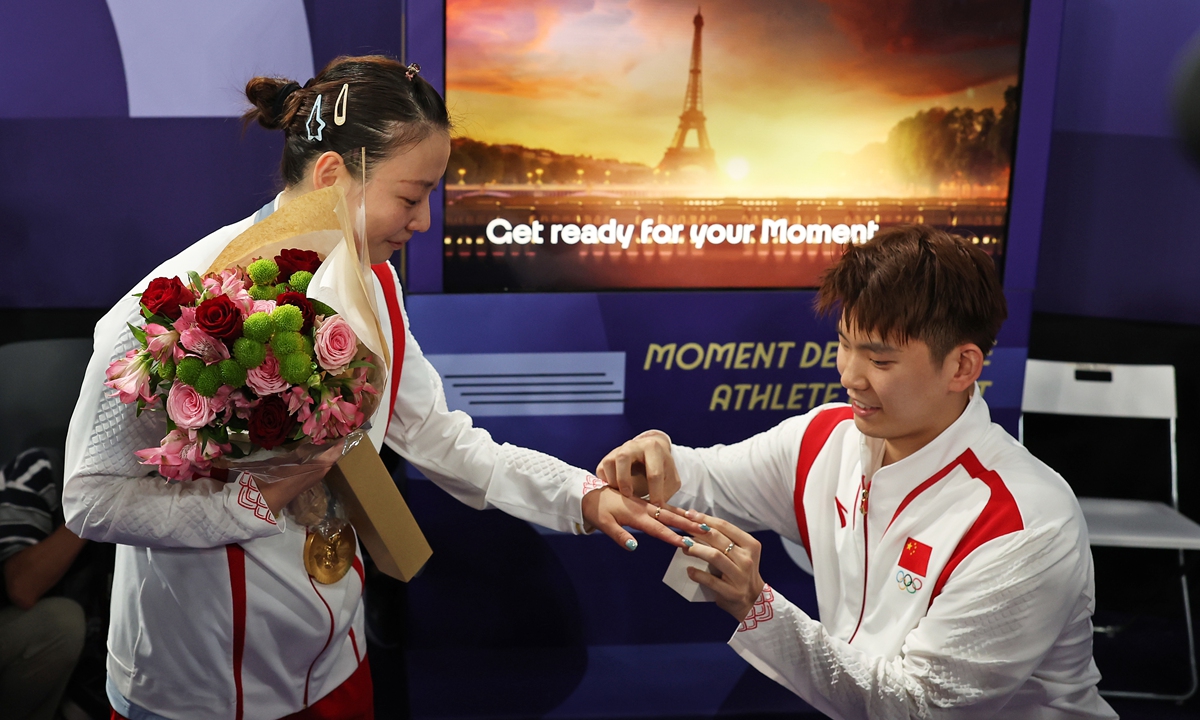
[[587, 484], [247, 505]]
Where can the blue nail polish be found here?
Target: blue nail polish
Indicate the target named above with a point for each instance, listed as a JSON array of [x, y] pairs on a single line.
[[705, 527], [687, 542], [631, 544]]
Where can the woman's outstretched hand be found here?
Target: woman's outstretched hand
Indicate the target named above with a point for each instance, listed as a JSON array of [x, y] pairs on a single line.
[[610, 512]]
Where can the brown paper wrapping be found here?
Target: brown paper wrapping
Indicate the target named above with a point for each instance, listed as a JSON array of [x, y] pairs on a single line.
[[320, 221], [378, 513]]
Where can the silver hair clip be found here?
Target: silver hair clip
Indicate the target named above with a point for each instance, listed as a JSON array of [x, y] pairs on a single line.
[[411, 70], [315, 114], [339, 105]]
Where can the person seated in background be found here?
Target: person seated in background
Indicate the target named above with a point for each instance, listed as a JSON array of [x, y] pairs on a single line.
[[41, 637], [952, 568]]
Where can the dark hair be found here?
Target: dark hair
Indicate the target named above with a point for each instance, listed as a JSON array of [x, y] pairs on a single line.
[[917, 282], [385, 110]]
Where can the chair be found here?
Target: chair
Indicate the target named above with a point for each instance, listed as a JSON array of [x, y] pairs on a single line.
[[1121, 391], [38, 391]]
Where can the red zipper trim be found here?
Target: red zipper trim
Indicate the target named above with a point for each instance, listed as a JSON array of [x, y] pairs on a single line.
[[308, 676], [866, 567]]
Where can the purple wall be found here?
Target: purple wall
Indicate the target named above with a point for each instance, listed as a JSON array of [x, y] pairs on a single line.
[[1122, 203]]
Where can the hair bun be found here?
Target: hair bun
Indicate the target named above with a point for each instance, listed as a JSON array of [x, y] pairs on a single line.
[[268, 98]]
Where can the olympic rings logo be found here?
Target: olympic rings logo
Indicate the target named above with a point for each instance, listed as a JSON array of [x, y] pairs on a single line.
[[908, 582]]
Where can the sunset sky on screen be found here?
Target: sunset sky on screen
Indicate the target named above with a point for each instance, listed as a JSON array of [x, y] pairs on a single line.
[[798, 89]]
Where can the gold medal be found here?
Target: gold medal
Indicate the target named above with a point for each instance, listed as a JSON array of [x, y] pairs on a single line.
[[328, 559]]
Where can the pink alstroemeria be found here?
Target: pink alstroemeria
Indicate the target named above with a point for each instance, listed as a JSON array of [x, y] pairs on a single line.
[[130, 377], [241, 404], [183, 455], [333, 418], [233, 283], [160, 341], [186, 321], [209, 348]]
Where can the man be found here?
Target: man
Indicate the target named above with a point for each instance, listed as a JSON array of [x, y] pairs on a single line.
[[952, 568], [40, 637]]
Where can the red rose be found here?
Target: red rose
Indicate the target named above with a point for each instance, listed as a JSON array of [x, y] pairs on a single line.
[[290, 261], [219, 317], [270, 422], [165, 295], [292, 297]]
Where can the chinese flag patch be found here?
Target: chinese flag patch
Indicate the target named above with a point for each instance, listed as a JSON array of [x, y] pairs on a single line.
[[915, 557]]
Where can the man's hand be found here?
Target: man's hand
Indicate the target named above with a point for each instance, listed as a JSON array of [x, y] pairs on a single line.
[[642, 466], [611, 512], [735, 555]]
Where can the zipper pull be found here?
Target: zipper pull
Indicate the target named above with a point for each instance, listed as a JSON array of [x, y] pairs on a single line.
[[863, 506]]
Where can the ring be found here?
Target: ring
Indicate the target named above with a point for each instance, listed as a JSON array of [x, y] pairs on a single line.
[[728, 548], [657, 512]]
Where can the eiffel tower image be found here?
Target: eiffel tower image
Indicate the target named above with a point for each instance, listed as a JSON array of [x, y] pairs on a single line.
[[678, 156]]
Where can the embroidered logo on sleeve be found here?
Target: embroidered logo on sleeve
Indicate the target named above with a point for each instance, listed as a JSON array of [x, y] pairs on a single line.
[[591, 482], [250, 498], [761, 612]]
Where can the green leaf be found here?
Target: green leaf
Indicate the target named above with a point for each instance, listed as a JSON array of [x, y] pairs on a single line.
[[138, 333], [361, 363]]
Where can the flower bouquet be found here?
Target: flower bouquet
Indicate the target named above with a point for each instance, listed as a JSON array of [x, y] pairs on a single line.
[[241, 361], [271, 357]]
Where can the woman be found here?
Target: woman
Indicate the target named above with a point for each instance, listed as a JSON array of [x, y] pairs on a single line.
[[214, 615]]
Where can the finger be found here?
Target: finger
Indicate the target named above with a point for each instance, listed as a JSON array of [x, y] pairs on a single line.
[[739, 536], [608, 470], [715, 558], [713, 582], [624, 472], [654, 477], [672, 518], [686, 515], [655, 529], [610, 527]]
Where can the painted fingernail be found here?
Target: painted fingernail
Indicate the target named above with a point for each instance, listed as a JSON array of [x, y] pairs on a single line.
[[631, 544], [687, 542], [705, 527]]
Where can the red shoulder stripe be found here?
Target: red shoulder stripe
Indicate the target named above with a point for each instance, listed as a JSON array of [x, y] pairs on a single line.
[[387, 280], [237, 580], [815, 436], [1000, 517]]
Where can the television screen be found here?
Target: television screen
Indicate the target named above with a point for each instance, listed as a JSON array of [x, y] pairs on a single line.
[[652, 144]]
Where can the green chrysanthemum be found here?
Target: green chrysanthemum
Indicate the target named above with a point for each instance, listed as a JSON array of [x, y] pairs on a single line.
[[288, 318], [259, 327], [263, 292], [295, 368], [209, 381], [263, 272], [286, 343], [188, 369], [249, 353], [166, 370], [300, 280], [232, 374]]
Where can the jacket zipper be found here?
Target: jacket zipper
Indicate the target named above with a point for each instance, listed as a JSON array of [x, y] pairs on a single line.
[[862, 508]]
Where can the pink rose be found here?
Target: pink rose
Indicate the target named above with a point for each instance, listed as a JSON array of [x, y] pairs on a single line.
[[188, 408], [335, 344], [265, 379], [130, 377], [160, 341], [263, 306], [209, 348]]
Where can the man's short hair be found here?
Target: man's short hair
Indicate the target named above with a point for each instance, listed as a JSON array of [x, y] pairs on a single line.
[[917, 282]]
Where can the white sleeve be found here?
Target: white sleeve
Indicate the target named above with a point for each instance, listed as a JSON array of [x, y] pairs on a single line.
[[750, 483], [997, 617], [466, 462], [109, 496]]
